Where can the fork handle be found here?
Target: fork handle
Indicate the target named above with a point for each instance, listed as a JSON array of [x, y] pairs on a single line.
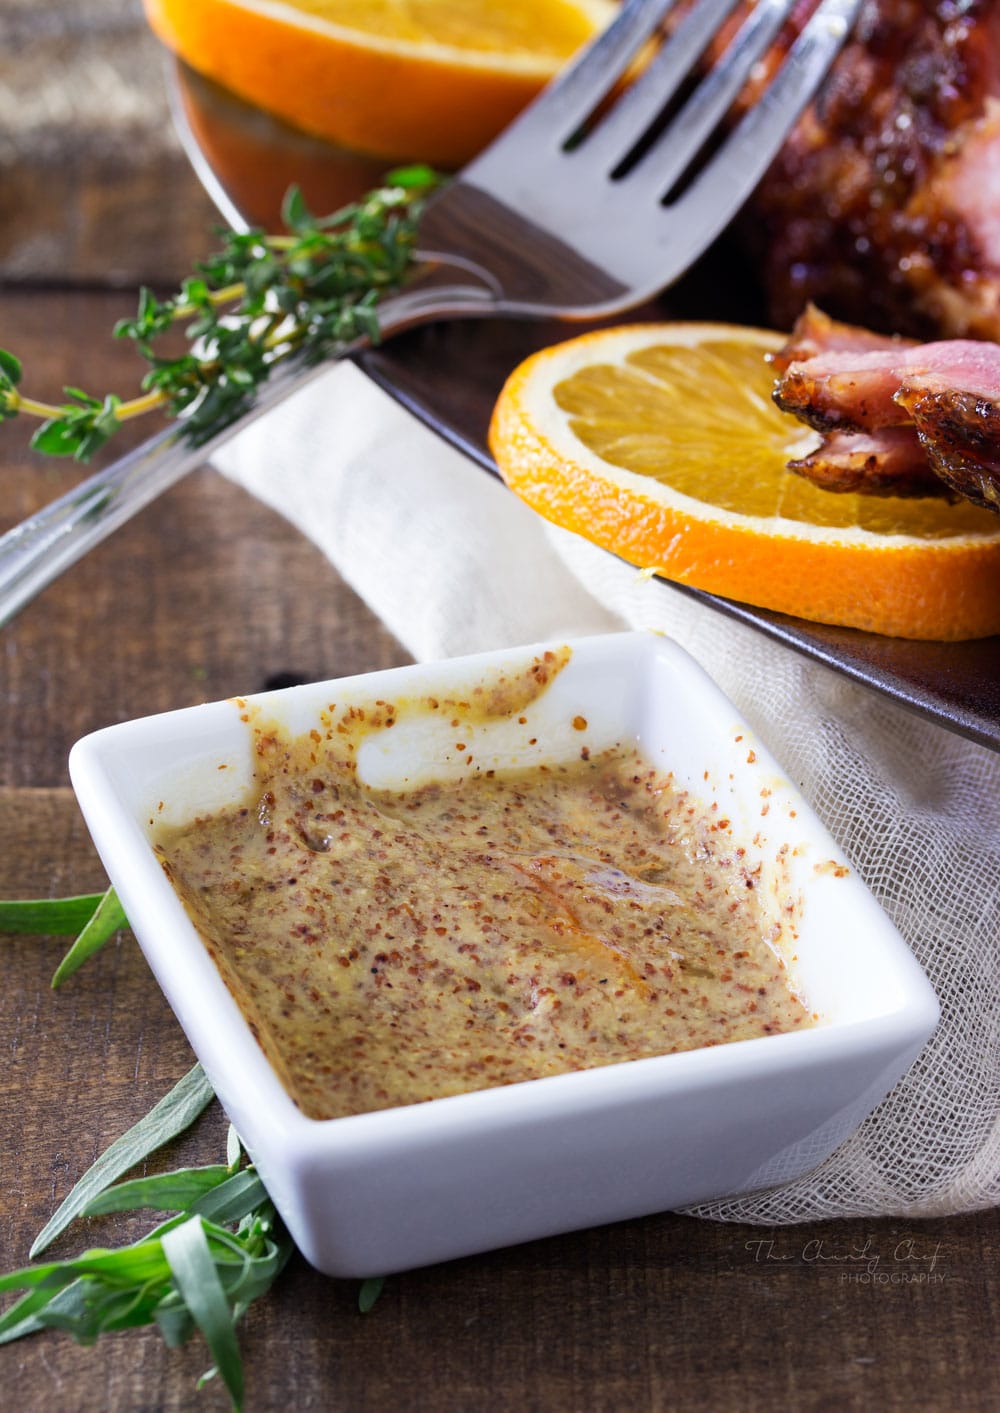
[[38, 550]]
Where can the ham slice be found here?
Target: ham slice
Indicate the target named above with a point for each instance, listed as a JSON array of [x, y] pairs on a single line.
[[959, 433], [898, 418], [859, 391], [891, 462], [848, 392], [815, 332]]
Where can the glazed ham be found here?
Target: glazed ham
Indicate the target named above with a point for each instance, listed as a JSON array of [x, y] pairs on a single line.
[[959, 429], [890, 463], [815, 332], [898, 418], [848, 392], [884, 205]]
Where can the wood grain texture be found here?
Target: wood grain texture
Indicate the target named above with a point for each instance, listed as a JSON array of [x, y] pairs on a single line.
[[205, 594], [94, 188], [666, 1313], [208, 593]]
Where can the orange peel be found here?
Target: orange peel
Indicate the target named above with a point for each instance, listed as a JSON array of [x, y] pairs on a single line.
[[660, 442], [429, 80]]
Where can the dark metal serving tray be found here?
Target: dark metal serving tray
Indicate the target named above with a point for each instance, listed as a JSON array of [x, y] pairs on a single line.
[[449, 376]]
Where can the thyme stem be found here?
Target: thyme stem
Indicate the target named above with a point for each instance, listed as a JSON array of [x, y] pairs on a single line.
[[259, 299]]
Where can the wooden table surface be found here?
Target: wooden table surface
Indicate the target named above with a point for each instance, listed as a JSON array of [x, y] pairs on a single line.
[[208, 594]]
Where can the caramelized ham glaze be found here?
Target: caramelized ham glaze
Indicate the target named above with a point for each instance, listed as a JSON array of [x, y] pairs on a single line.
[[898, 418], [883, 206], [889, 463], [960, 434]]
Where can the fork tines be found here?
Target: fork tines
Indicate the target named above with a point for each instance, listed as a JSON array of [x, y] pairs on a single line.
[[644, 149], [638, 93]]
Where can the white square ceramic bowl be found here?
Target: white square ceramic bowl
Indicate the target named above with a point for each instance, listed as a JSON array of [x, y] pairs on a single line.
[[404, 1187]]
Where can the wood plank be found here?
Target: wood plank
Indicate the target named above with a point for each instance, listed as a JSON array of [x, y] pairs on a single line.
[[663, 1313], [207, 594], [95, 188]]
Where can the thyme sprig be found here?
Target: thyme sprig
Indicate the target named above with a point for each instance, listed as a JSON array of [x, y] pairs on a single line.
[[259, 299]]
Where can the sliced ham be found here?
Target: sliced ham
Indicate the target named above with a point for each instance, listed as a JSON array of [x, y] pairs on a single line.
[[897, 418], [857, 391], [844, 391], [959, 433], [815, 332], [891, 462]]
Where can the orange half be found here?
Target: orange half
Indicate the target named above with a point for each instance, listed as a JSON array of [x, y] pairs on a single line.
[[426, 80]]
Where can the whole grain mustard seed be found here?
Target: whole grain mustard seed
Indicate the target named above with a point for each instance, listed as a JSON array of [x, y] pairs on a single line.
[[391, 947]]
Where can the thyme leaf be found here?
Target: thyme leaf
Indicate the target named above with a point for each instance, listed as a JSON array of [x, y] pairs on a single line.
[[257, 300]]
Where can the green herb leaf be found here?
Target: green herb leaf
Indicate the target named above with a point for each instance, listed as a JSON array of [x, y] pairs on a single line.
[[17, 1323], [176, 1326], [95, 917], [107, 918], [174, 1113], [142, 1261], [165, 1192], [151, 318], [193, 1271], [295, 214], [190, 1272], [370, 1291], [85, 399], [61, 436], [416, 177], [100, 427], [256, 301], [49, 916], [10, 369], [233, 1200], [197, 1281]]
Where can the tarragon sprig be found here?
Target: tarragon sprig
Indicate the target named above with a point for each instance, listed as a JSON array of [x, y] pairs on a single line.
[[199, 1270], [92, 918], [312, 291]]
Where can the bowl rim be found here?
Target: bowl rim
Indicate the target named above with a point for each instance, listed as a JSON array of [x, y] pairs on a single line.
[[232, 1057]]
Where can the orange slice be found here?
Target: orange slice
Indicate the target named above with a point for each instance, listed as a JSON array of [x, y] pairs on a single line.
[[660, 442], [430, 80]]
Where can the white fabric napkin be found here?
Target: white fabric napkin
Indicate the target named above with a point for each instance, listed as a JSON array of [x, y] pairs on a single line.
[[453, 563]]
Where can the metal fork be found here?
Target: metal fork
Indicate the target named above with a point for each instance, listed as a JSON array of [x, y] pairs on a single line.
[[589, 204]]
